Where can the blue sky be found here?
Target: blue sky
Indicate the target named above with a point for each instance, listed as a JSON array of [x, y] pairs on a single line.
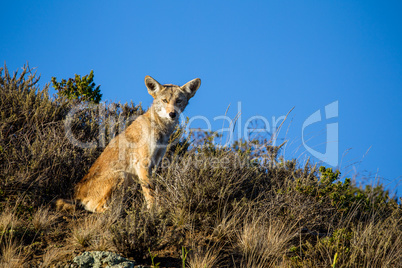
[[268, 55]]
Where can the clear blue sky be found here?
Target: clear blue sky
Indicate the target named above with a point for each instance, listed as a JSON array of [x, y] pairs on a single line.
[[268, 55]]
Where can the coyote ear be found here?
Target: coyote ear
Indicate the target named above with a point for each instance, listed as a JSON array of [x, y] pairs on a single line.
[[191, 87], [153, 86]]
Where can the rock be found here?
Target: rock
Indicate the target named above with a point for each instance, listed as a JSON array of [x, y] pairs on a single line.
[[100, 259]]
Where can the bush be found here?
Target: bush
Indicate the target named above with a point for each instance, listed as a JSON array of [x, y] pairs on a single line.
[[79, 88]]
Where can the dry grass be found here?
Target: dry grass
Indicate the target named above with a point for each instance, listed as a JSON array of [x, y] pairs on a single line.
[[43, 218], [8, 219], [93, 232], [83, 233], [263, 241], [102, 239], [11, 255], [227, 223], [377, 244], [225, 208], [53, 255], [204, 257]]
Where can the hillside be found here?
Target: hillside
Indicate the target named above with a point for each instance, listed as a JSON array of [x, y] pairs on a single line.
[[243, 206]]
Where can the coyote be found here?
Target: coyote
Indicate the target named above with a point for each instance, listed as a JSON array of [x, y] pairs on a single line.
[[135, 151]]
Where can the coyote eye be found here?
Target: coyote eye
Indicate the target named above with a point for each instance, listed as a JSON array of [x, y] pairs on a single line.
[[178, 101], [165, 100]]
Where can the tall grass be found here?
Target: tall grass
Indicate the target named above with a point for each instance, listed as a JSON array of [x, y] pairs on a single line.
[[220, 204]]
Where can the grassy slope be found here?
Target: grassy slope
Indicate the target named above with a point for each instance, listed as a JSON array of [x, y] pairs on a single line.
[[220, 204]]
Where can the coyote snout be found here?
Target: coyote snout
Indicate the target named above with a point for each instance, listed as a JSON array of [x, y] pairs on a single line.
[[137, 150]]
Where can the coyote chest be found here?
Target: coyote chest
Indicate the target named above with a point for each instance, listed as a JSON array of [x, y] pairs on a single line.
[[137, 150]]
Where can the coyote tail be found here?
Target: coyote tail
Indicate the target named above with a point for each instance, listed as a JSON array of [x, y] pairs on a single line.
[[65, 205]]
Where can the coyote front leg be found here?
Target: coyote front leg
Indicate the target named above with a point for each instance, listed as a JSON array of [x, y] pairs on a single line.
[[144, 173]]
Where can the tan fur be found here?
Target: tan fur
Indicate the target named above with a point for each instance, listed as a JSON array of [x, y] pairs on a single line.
[[137, 150]]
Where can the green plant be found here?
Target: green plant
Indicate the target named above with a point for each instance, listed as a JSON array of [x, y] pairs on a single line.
[[153, 265], [342, 194], [335, 259], [80, 88], [184, 253]]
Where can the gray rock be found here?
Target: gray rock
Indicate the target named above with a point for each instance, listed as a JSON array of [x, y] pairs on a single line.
[[100, 259]]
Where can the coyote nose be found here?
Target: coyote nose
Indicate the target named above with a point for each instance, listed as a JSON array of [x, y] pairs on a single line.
[[172, 115]]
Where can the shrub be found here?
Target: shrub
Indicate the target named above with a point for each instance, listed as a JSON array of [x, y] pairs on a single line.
[[79, 88]]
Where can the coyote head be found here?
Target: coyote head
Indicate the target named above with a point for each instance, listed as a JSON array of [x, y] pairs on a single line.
[[171, 100]]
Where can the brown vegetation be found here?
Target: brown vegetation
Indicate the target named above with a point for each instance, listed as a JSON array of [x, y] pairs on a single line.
[[217, 207]]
